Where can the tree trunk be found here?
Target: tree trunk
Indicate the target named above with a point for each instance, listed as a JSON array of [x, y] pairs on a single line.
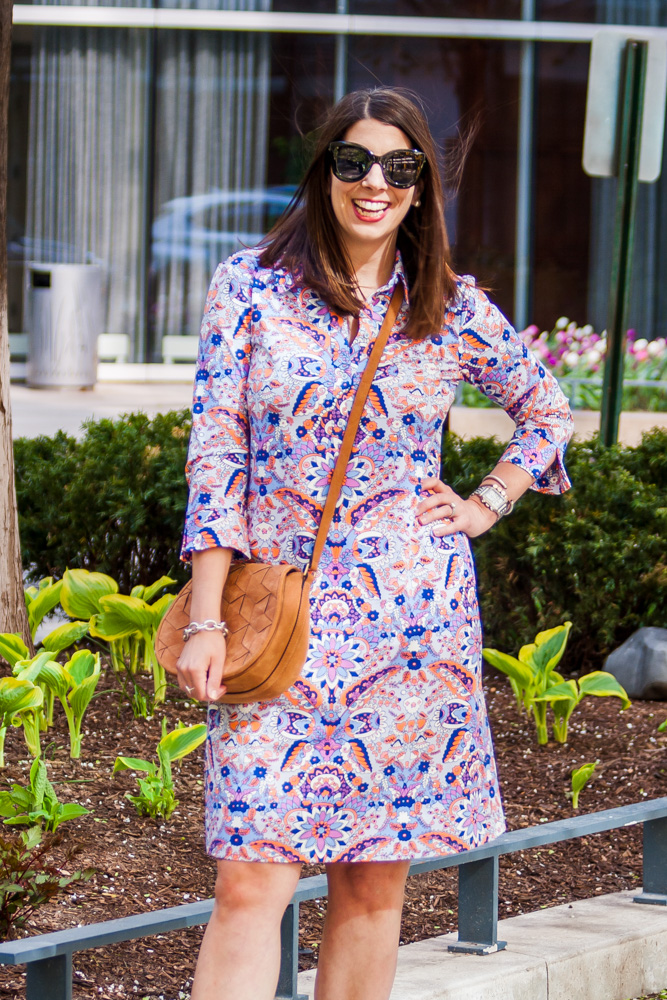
[[13, 615]]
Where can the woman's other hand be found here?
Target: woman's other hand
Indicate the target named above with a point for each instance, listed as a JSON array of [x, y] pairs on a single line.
[[200, 666], [448, 513]]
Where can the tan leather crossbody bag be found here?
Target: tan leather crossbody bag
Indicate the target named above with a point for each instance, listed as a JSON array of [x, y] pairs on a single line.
[[266, 606]]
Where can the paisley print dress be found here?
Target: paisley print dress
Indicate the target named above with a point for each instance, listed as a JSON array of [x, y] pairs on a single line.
[[382, 750]]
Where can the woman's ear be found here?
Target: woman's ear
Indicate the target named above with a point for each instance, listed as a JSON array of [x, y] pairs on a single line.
[[417, 193]]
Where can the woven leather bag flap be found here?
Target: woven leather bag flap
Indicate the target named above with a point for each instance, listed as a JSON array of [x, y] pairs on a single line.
[[252, 603]]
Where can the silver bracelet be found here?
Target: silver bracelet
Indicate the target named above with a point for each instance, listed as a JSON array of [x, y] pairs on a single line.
[[210, 625], [496, 479]]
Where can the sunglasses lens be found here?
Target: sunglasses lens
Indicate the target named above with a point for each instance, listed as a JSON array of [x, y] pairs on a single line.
[[351, 163], [402, 170]]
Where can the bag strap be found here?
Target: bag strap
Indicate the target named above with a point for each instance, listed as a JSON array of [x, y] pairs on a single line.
[[340, 468]]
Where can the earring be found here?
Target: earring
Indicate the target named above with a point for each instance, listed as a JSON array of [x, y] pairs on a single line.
[[417, 203]]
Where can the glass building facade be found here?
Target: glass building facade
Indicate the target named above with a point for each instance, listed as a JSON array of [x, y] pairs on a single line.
[[157, 138]]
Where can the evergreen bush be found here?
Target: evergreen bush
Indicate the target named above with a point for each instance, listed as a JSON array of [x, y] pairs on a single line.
[[114, 501], [595, 556]]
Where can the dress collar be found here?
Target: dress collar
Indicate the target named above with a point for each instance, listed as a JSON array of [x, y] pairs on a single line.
[[397, 274]]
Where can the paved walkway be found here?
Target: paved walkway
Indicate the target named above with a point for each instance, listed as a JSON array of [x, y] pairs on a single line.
[[44, 411], [607, 948]]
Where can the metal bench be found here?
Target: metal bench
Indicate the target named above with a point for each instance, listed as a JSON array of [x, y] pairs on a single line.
[[177, 348]]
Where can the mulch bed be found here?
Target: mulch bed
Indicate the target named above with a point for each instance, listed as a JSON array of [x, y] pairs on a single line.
[[142, 864]]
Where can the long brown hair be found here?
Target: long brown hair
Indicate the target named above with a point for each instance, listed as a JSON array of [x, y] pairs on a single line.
[[306, 239]]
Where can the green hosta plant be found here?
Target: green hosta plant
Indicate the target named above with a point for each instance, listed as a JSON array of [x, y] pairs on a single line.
[[82, 591], [36, 804], [41, 600], [74, 684], [16, 696], [533, 672], [131, 620], [156, 791], [127, 622], [565, 696], [580, 778], [537, 684], [32, 719], [81, 597], [14, 650]]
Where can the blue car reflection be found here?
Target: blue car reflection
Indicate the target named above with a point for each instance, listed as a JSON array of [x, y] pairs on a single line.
[[208, 227]]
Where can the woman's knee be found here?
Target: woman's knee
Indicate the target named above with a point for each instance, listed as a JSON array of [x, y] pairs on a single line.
[[247, 886], [368, 885]]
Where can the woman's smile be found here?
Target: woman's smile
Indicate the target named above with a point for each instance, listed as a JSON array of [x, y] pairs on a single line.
[[370, 211]]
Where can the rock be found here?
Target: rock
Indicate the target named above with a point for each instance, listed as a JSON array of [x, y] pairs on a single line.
[[640, 664]]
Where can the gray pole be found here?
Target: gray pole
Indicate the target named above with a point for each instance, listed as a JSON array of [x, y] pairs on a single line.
[[632, 104], [340, 66], [523, 246]]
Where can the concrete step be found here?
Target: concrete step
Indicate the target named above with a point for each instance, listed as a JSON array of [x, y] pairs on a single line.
[[607, 948]]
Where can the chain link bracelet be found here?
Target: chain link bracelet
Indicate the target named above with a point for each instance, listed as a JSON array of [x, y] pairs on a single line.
[[210, 625]]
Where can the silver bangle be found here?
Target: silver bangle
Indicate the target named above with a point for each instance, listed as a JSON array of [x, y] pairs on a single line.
[[210, 625], [496, 479]]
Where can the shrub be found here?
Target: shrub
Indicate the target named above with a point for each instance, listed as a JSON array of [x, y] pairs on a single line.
[[115, 501], [594, 556]]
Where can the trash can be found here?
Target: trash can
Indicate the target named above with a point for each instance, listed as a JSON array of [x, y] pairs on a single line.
[[65, 306]]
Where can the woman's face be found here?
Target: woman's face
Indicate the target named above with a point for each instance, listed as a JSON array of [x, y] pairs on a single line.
[[370, 211]]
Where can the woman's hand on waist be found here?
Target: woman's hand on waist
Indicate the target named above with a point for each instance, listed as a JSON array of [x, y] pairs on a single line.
[[448, 513], [201, 666]]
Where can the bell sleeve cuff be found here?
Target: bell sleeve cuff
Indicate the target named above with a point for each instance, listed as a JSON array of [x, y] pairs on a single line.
[[494, 358], [218, 452]]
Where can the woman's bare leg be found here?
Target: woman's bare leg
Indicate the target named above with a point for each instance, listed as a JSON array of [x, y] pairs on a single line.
[[240, 953], [361, 931]]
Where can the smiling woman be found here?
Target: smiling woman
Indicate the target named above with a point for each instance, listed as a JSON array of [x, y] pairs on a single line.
[[380, 752]]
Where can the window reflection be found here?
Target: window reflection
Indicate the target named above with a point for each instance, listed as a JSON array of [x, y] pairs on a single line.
[[459, 80]]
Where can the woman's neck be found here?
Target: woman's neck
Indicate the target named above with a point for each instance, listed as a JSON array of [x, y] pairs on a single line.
[[372, 268]]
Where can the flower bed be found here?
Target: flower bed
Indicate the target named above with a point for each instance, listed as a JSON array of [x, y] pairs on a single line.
[[575, 355]]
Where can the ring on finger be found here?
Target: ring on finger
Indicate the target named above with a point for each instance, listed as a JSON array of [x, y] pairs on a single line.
[[453, 506]]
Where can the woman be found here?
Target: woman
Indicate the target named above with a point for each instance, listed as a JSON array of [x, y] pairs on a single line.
[[381, 752]]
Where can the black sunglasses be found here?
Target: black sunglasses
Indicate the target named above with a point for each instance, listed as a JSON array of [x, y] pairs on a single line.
[[400, 168]]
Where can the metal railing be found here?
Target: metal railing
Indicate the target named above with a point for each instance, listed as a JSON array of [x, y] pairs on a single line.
[[48, 957]]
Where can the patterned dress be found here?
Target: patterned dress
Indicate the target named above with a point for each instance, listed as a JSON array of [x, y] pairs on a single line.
[[382, 750]]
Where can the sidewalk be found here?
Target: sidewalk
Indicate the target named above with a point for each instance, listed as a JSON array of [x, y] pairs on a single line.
[[607, 948], [44, 411]]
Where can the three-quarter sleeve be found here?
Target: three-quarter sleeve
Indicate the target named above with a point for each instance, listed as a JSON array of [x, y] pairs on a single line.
[[218, 453], [494, 358]]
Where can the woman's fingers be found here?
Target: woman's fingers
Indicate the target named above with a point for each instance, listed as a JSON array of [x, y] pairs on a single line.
[[200, 666], [448, 513], [214, 686], [441, 501]]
